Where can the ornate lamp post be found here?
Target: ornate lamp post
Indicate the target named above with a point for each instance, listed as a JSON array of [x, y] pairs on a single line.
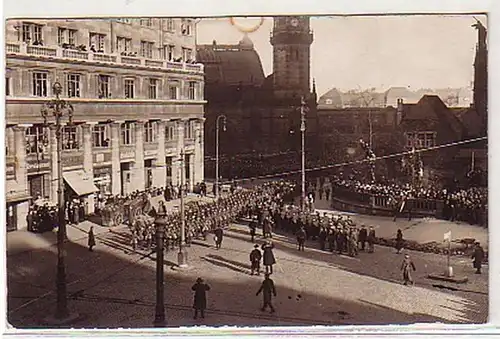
[[223, 117], [59, 108], [160, 306]]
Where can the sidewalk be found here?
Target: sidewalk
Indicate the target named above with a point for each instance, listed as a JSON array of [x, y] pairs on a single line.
[[22, 241]]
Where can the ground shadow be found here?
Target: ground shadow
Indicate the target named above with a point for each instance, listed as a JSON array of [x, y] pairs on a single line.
[[112, 290]]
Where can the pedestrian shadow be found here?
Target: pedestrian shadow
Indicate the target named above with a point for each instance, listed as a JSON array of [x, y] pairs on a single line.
[[223, 263], [233, 262]]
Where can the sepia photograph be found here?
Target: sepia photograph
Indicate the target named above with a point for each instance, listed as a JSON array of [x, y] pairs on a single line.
[[292, 170]]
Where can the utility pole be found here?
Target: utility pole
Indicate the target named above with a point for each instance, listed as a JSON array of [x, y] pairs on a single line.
[[303, 109], [182, 256]]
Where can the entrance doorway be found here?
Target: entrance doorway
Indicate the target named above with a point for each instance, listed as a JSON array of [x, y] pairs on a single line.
[[11, 217]]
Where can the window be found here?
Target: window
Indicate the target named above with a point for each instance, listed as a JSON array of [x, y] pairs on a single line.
[[100, 136], [329, 101], [150, 131], [420, 142], [187, 53], [103, 86], [170, 25], [170, 134], [186, 27], [146, 22], [192, 90], [40, 84], [97, 42], [147, 49], [189, 129], [127, 130], [7, 86], [66, 36], [32, 33], [123, 44], [430, 139], [409, 139], [70, 138], [168, 165], [36, 136], [74, 85], [173, 90], [153, 88], [129, 88], [168, 52]]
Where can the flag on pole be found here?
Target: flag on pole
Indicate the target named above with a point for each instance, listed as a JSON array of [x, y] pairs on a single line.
[[447, 236], [402, 206]]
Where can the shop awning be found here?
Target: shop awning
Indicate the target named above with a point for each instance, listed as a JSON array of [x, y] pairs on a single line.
[[80, 182]]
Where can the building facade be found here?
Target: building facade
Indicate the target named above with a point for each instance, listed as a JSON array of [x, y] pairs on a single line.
[[263, 112], [137, 94]]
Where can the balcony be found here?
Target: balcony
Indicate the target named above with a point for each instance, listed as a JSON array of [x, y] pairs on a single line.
[[18, 48]]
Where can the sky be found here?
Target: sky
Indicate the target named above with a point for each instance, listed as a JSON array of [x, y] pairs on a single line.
[[371, 51]]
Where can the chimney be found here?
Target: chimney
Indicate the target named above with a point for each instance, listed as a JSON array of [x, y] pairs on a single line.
[[399, 111]]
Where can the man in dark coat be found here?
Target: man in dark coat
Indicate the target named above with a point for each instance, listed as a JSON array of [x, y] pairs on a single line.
[[200, 297], [301, 238], [253, 228], [255, 257], [363, 234], [327, 193], [268, 290], [478, 257], [399, 241], [371, 240], [218, 237], [91, 242], [268, 257], [322, 238]]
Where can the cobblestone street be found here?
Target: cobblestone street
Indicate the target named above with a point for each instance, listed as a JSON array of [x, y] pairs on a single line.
[[113, 287]]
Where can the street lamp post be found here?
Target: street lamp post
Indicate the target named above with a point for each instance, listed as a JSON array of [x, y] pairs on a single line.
[[160, 306], [223, 117], [182, 257], [58, 108], [302, 132]]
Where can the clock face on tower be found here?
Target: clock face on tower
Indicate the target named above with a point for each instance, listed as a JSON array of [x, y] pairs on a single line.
[[294, 22]]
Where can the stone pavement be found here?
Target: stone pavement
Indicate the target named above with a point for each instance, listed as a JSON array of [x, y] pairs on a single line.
[[113, 287]]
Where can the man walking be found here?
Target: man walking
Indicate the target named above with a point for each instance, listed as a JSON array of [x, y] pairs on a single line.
[[406, 267], [301, 238], [219, 233], [478, 257], [363, 234], [200, 297], [91, 242], [268, 290], [371, 240], [255, 257]]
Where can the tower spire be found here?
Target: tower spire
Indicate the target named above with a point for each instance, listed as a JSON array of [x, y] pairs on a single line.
[[314, 86]]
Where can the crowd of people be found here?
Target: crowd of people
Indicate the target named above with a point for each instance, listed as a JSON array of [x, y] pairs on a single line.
[[469, 205], [203, 217]]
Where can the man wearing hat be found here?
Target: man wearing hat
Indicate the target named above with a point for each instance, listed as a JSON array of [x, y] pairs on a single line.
[[478, 257], [406, 267], [268, 290], [200, 297], [253, 227], [255, 257]]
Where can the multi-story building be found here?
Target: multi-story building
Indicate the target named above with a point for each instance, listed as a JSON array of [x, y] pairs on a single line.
[[138, 104]]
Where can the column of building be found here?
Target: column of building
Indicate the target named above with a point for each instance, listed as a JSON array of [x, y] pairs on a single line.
[[180, 148], [115, 159], [21, 173], [198, 152], [138, 173], [160, 171], [54, 175], [88, 163]]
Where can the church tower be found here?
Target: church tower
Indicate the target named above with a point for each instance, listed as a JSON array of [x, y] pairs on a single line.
[[481, 76], [291, 39]]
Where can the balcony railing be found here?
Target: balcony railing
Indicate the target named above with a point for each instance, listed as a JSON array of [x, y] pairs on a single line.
[[41, 50], [69, 53], [59, 52]]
